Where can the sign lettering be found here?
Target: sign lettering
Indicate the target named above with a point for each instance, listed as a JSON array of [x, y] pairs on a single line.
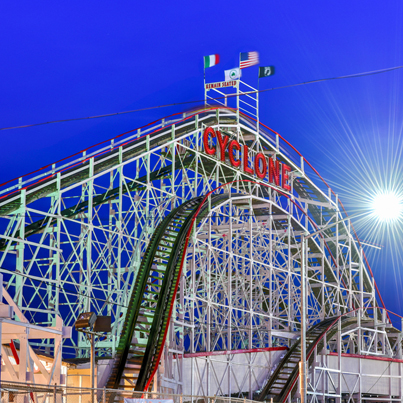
[[261, 166], [221, 84]]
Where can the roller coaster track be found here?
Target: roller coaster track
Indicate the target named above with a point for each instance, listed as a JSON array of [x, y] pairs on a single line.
[[102, 161], [151, 302], [83, 170], [283, 380], [154, 290], [152, 297], [111, 194]]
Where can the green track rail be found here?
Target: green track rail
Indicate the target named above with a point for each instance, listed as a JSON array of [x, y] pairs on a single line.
[[153, 295]]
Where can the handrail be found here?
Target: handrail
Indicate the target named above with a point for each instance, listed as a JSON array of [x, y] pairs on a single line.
[[117, 137], [74, 391], [312, 349]]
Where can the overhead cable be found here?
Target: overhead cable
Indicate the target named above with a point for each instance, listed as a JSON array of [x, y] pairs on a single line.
[[368, 73]]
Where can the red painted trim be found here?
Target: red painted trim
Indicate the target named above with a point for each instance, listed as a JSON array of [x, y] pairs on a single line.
[[399, 316], [229, 352], [341, 204], [120, 135], [17, 361], [189, 117], [14, 351], [368, 357]]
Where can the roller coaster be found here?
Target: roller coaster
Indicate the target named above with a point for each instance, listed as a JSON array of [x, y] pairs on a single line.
[[196, 256]]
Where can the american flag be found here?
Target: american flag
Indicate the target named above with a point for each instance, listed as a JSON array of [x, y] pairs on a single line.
[[248, 59]]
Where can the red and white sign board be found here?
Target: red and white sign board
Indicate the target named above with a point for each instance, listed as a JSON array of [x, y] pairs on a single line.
[[221, 84]]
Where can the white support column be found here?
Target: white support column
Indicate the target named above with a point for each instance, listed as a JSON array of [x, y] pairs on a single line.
[[302, 365], [361, 280], [208, 308], [56, 255], [359, 332], [339, 350], [23, 357], [20, 248]]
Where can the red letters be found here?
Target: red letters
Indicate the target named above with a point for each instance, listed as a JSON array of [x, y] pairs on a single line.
[[246, 160], [285, 177], [274, 172], [260, 173], [259, 167], [222, 141], [233, 144], [209, 130]]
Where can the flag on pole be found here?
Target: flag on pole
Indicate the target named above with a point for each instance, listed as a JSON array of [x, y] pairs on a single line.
[[210, 61], [266, 71], [232, 74], [248, 59]]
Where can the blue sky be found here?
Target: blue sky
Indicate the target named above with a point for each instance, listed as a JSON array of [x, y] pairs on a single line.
[[72, 59]]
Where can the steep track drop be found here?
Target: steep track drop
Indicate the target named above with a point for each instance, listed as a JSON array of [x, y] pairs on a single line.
[[152, 298]]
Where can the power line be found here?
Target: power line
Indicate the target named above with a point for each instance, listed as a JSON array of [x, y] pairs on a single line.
[[364, 74]]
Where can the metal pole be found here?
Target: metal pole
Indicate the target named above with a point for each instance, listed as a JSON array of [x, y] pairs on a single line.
[[302, 364], [92, 366], [204, 80]]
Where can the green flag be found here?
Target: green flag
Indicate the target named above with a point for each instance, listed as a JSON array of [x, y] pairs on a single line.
[[266, 71]]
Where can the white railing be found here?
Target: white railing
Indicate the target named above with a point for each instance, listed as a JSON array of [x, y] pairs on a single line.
[[14, 392]]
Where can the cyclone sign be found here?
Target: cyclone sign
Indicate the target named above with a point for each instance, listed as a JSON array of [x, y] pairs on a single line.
[[238, 156]]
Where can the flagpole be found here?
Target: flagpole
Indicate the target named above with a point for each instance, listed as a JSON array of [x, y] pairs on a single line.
[[237, 90], [257, 104], [204, 80]]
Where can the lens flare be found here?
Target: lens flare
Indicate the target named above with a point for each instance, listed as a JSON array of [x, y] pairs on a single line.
[[387, 206]]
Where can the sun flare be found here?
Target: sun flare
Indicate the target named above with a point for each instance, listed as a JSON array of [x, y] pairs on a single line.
[[387, 206]]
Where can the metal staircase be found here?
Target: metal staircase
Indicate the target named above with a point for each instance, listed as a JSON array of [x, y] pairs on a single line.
[[283, 380]]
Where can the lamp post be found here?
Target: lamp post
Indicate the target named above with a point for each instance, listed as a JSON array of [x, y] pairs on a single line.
[[97, 326]]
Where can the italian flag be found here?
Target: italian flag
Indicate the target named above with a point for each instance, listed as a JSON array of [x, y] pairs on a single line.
[[212, 60]]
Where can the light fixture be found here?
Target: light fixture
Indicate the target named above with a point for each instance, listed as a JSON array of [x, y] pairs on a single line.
[[85, 319]]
